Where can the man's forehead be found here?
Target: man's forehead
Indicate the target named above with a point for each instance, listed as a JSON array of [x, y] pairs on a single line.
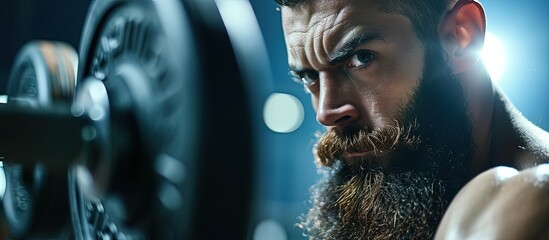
[[329, 13], [326, 26], [313, 9]]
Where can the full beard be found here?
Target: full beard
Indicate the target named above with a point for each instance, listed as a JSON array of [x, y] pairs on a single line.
[[428, 148]]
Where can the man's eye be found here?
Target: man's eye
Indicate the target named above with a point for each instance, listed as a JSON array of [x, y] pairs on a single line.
[[361, 59], [306, 78]]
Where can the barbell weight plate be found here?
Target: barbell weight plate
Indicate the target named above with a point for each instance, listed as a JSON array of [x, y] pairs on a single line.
[[142, 55], [43, 72], [36, 199], [175, 152], [235, 91]]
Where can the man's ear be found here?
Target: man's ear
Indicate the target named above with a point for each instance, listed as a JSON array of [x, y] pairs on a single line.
[[462, 32]]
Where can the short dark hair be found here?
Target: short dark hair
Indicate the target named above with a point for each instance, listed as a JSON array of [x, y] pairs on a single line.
[[423, 14]]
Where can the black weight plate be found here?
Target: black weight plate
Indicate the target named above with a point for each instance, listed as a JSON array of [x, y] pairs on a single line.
[[36, 199], [43, 73], [143, 52], [180, 126], [235, 92]]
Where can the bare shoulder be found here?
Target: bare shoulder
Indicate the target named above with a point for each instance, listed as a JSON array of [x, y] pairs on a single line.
[[500, 203], [533, 144], [516, 141], [537, 140]]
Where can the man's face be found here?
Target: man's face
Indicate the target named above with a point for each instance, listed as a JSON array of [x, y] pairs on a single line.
[[398, 133], [368, 62]]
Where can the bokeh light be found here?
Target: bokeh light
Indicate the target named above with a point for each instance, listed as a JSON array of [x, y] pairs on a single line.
[[270, 230], [283, 113]]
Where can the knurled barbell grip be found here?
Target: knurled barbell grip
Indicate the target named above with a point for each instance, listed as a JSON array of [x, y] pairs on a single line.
[[52, 136]]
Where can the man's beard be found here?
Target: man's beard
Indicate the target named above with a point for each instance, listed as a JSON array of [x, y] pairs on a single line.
[[427, 149]]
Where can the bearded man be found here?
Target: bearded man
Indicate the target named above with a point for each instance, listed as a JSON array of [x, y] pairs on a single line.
[[411, 117]]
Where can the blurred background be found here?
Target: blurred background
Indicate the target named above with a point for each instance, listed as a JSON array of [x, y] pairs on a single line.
[[516, 53]]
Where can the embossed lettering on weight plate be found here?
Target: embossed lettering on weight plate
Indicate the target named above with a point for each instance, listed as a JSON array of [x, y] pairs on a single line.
[[21, 194], [135, 39]]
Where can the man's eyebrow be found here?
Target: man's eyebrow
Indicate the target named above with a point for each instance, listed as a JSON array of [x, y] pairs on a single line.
[[343, 53], [299, 70], [348, 49]]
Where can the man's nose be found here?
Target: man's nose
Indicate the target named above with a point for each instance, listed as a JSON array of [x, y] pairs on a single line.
[[339, 116], [334, 107]]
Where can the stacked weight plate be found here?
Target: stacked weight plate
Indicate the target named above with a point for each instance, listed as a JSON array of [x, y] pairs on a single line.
[[34, 204]]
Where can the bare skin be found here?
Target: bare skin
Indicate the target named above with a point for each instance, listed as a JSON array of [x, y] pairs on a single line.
[[501, 203], [366, 83]]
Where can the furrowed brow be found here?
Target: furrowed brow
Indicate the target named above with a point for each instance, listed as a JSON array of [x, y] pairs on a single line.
[[348, 49], [299, 70], [343, 53]]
